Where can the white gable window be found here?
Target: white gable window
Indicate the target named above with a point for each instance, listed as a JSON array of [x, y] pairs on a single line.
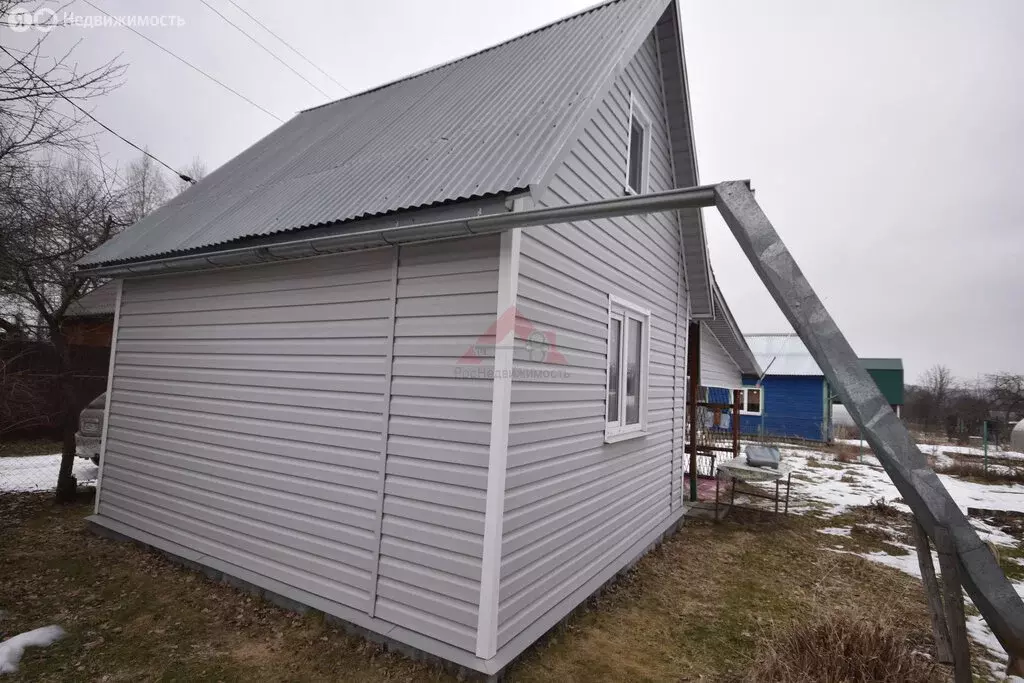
[[638, 150], [753, 401], [629, 328]]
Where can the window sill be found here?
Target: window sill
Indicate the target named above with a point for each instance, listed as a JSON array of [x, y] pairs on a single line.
[[616, 437]]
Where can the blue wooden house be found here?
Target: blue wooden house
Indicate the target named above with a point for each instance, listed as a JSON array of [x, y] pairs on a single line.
[[794, 399]]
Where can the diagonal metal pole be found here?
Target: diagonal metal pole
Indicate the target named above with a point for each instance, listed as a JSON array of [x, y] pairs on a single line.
[[919, 486]]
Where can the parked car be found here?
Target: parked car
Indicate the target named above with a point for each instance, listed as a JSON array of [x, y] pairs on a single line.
[[90, 429]]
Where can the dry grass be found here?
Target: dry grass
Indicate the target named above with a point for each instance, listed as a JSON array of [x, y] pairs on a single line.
[[691, 610], [839, 648], [846, 453], [976, 471]]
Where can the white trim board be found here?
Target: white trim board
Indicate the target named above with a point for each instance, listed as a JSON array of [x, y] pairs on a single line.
[[110, 387], [504, 352], [385, 429]]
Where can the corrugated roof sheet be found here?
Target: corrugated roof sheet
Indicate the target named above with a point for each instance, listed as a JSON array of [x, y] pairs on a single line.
[[785, 353], [485, 124], [100, 301]]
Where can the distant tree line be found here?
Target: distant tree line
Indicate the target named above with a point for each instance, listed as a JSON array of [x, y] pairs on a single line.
[[942, 402]]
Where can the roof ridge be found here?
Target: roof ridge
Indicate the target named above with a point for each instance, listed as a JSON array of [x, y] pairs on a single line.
[[456, 60]]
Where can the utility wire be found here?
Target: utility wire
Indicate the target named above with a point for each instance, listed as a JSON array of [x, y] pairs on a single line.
[[183, 61], [264, 48], [288, 45], [96, 120]]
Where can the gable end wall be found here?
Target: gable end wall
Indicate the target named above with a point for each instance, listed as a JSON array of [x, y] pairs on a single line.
[[574, 504]]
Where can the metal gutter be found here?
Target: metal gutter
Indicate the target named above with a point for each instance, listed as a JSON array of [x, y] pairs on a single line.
[[670, 200]]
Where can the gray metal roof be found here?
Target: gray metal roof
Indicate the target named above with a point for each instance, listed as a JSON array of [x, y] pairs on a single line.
[[486, 124], [783, 354], [100, 301]]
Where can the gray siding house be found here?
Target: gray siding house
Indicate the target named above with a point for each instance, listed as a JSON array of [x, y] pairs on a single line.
[[448, 440]]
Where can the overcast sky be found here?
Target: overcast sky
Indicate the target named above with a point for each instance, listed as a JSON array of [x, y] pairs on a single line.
[[884, 139]]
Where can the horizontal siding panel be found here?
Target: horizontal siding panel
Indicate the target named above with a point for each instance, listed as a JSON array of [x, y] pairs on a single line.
[[351, 511], [428, 449], [294, 536], [318, 329], [443, 583], [246, 417], [577, 573], [362, 384], [370, 291], [342, 365], [429, 558], [430, 534], [426, 623], [131, 429], [273, 314], [170, 526], [439, 434], [322, 524], [348, 579], [528, 543], [296, 432], [545, 570], [260, 347], [343, 419], [427, 601], [276, 396], [442, 472]]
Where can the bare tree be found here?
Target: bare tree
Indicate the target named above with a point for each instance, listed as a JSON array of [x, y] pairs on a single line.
[[195, 170], [936, 386], [39, 94], [146, 188], [50, 217], [1007, 393]]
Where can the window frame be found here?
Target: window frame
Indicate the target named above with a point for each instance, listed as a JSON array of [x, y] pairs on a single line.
[[625, 311], [745, 410], [637, 111]]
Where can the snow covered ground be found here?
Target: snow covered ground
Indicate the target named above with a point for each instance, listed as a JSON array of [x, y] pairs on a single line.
[[936, 449], [822, 485], [39, 472]]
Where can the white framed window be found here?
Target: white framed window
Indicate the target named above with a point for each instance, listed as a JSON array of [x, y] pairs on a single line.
[[638, 148], [629, 344], [753, 401]]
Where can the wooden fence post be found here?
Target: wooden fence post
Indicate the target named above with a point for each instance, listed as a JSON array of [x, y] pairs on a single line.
[[953, 599], [943, 650], [737, 406]]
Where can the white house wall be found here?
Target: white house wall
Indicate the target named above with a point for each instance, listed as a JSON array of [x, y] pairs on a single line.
[[436, 483], [573, 504], [247, 425]]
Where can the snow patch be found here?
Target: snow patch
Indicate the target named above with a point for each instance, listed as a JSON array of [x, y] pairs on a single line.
[[12, 649], [24, 473]]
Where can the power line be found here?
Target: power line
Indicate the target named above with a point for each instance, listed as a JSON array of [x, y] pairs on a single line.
[[183, 61], [264, 48], [96, 120], [288, 45]]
